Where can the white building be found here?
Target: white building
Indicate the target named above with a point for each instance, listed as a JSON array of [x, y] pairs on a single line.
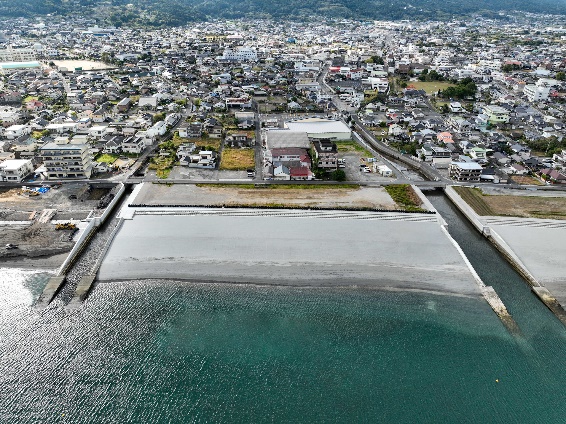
[[535, 93], [159, 128], [17, 55], [321, 128], [15, 170], [241, 54], [15, 131], [465, 171], [380, 84]]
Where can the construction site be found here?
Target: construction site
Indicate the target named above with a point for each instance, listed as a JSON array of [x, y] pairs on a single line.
[[39, 225]]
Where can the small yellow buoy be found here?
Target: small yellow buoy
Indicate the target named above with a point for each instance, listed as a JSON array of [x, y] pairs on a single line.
[[496, 380]]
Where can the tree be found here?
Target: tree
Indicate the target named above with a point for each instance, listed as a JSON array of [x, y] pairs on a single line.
[[378, 60], [339, 175], [561, 76]]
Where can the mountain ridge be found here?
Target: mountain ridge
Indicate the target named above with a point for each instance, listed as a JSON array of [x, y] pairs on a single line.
[[179, 12]]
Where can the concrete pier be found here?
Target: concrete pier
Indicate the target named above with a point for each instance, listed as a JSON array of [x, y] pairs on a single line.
[[551, 303], [499, 308], [50, 290], [539, 262], [83, 289]]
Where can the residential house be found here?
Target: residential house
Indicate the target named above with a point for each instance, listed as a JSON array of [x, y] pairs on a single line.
[[300, 173], [133, 144], [440, 157], [97, 132], [15, 170], [239, 140], [445, 137], [190, 130], [518, 169], [184, 152], [124, 105], [326, 154], [148, 102], [478, 153], [553, 176], [205, 159], [496, 114], [158, 129], [281, 172], [15, 131], [114, 144]]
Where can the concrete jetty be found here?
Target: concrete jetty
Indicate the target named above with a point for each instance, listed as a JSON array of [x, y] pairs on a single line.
[[539, 261], [50, 290], [551, 303], [83, 288], [499, 308]]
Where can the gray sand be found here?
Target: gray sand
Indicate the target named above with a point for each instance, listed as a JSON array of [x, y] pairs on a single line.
[[294, 251], [542, 251]]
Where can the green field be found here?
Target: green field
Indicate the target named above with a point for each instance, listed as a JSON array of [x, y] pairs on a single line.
[[108, 158], [430, 87]]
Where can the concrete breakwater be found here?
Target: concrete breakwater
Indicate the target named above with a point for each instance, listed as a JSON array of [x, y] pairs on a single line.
[[487, 292], [482, 225], [82, 258]]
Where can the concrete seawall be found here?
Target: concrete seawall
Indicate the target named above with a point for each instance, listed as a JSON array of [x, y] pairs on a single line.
[[94, 223], [488, 292], [88, 233], [503, 247]]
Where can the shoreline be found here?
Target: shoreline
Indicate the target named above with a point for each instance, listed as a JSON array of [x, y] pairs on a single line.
[[49, 262], [357, 286]]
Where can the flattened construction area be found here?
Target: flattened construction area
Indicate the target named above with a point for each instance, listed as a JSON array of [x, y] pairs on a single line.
[[238, 195]]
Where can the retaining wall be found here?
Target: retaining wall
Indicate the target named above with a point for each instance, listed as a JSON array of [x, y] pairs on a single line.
[[501, 245], [88, 233]]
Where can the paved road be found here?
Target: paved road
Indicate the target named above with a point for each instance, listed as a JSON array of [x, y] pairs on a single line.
[[384, 149], [258, 148]]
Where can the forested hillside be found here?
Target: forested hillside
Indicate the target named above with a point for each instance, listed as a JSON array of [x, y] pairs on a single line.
[[178, 12]]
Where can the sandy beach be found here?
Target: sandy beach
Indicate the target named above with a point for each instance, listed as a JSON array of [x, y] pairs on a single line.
[[383, 251]]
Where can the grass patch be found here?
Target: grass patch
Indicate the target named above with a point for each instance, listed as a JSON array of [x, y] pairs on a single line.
[[201, 143], [509, 205], [352, 146], [162, 165], [525, 179], [474, 198], [237, 159], [548, 214], [430, 86], [107, 157], [405, 197], [163, 173], [207, 143]]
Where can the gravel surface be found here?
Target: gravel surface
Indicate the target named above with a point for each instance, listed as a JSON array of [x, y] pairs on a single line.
[[189, 194]]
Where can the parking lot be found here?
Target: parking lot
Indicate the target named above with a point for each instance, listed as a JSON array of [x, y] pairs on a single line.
[[354, 171]]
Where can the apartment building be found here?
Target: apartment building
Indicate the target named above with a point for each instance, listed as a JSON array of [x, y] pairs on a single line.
[[465, 171], [536, 93], [17, 55], [66, 160]]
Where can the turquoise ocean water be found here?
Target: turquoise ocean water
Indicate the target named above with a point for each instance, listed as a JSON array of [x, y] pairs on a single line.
[[174, 352]]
